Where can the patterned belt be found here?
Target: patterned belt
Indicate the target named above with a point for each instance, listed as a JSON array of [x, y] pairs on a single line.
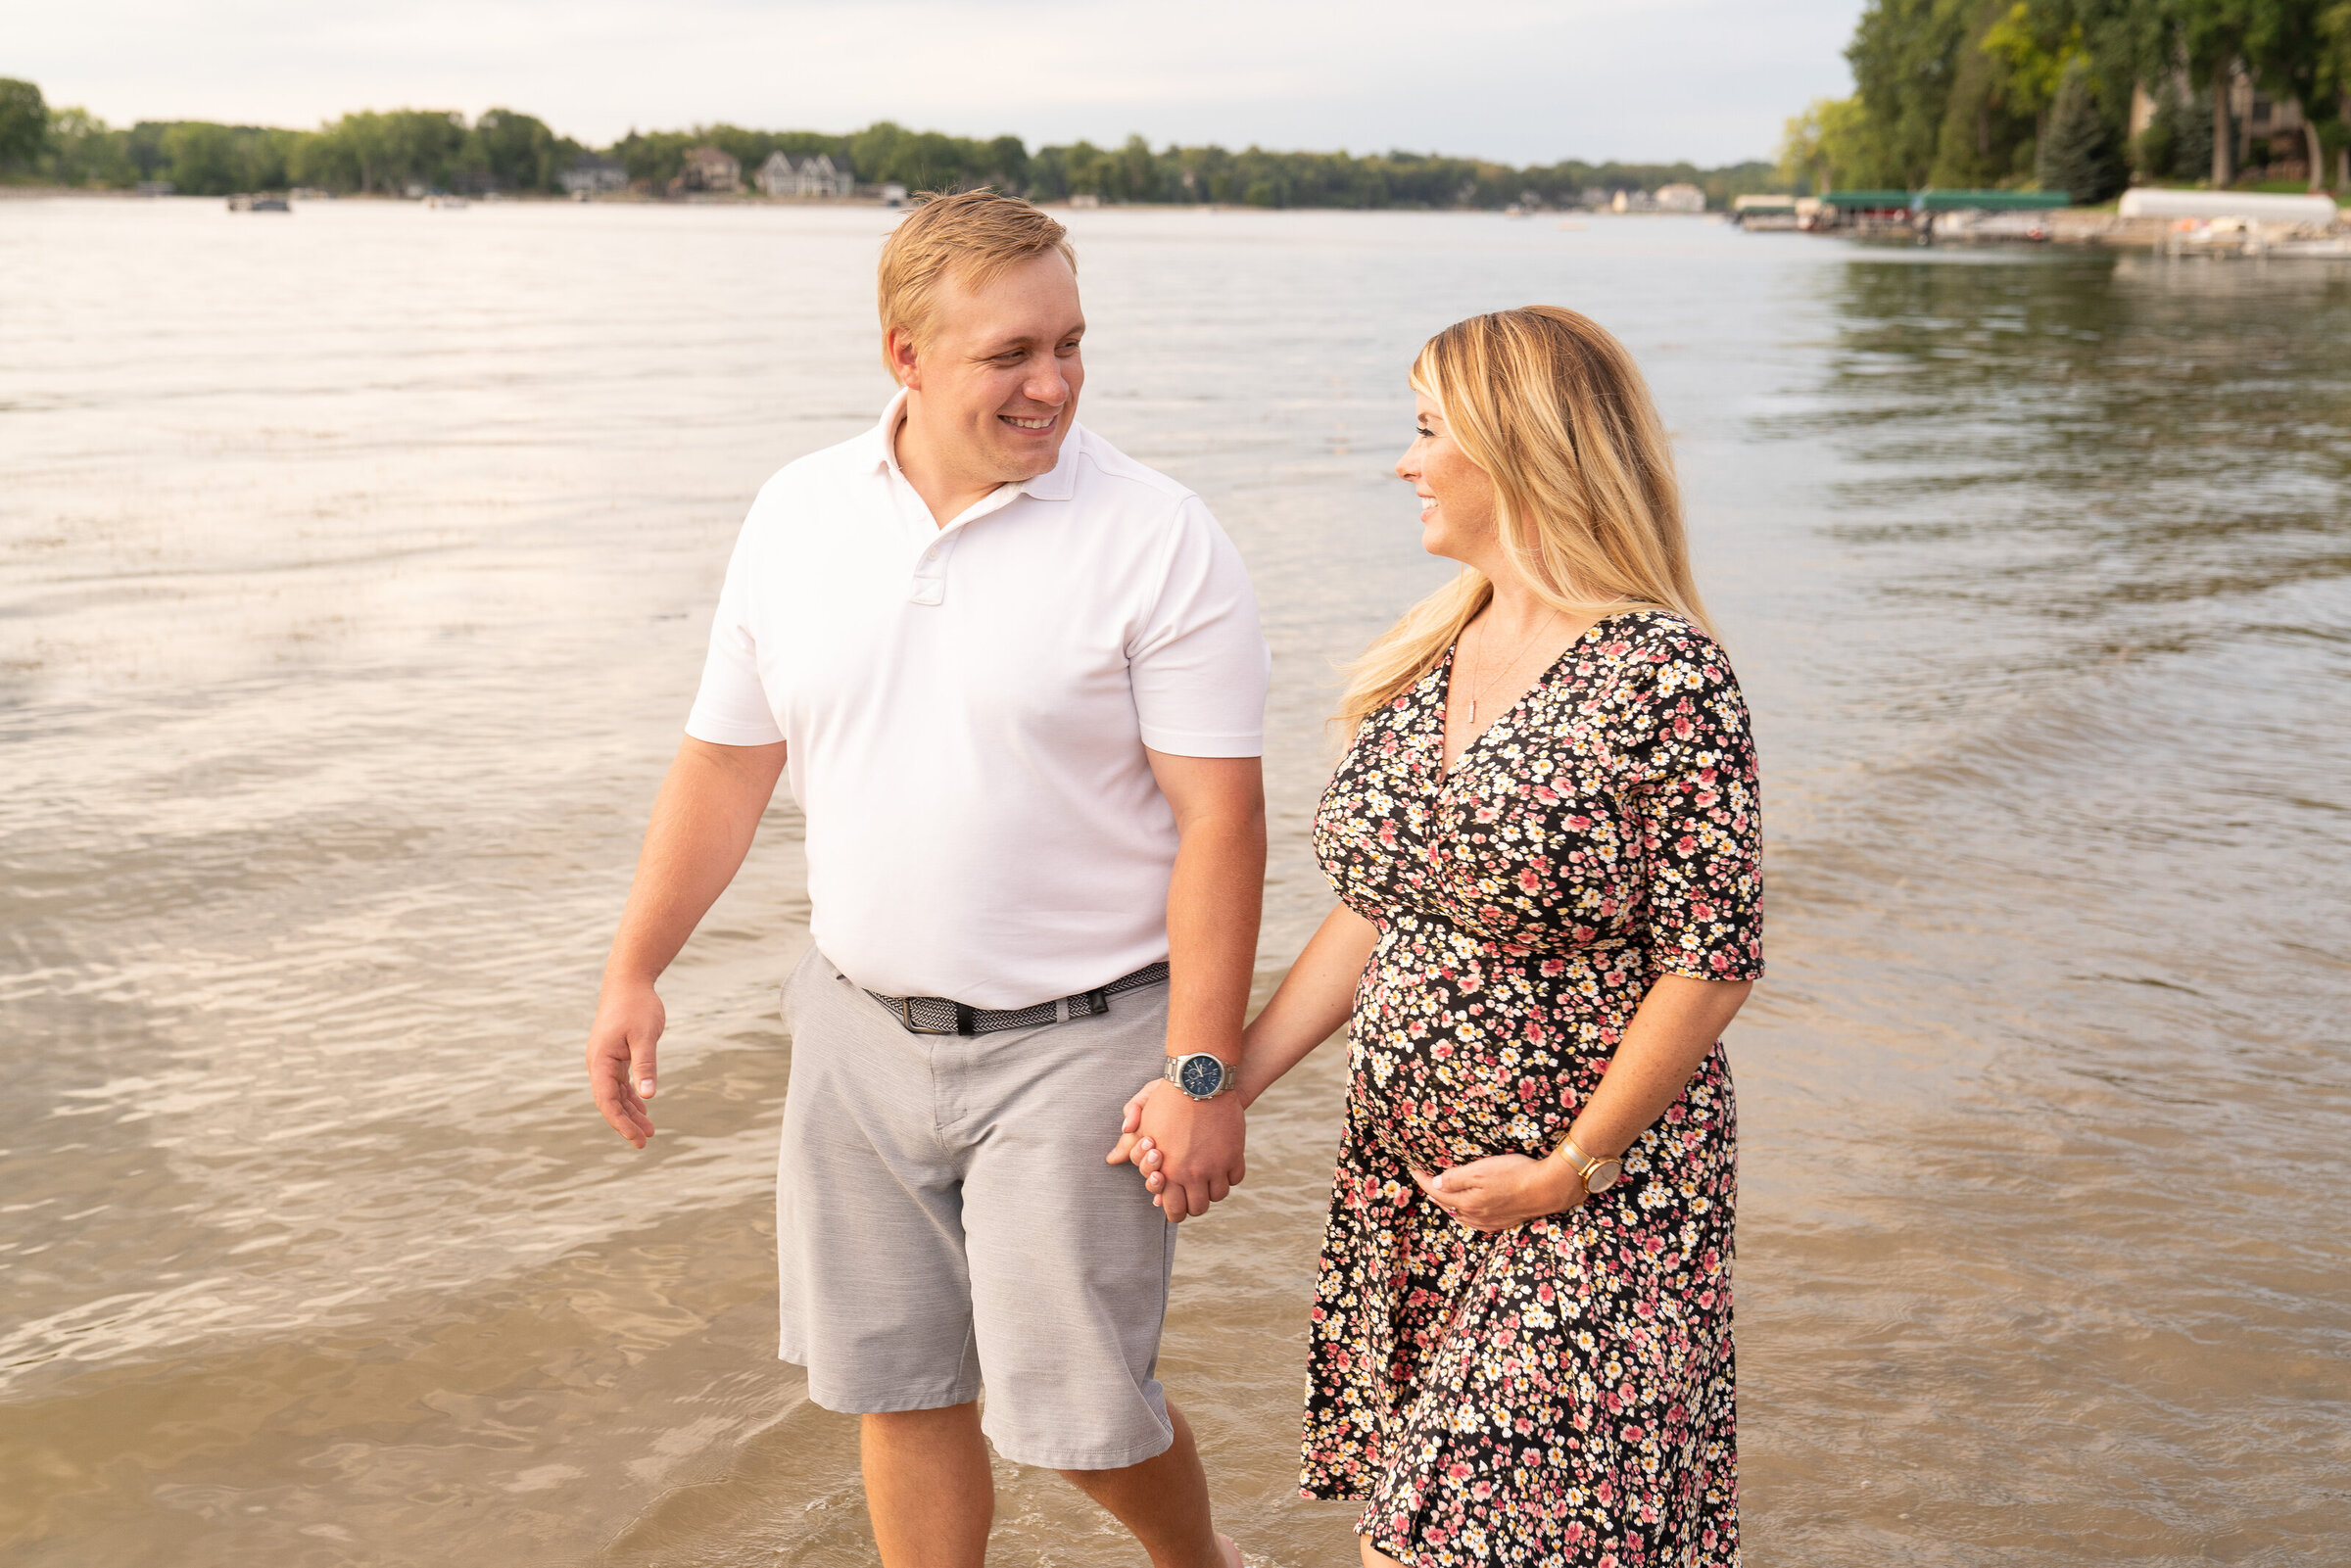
[[935, 1015]]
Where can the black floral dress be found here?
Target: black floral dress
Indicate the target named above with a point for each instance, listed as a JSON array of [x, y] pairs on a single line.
[[1560, 1393]]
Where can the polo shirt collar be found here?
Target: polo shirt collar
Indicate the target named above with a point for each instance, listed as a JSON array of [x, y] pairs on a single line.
[[1057, 483]]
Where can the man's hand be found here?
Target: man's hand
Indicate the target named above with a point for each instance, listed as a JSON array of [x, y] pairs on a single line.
[[1503, 1190], [1190, 1151], [620, 1057], [702, 826]]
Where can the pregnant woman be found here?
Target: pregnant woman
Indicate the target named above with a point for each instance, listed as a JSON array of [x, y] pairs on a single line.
[[1544, 838]]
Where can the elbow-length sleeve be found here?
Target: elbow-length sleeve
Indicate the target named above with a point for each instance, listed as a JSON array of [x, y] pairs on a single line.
[[1693, 793]]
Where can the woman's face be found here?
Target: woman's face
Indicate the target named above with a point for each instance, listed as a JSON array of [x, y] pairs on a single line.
[[1456, 497]]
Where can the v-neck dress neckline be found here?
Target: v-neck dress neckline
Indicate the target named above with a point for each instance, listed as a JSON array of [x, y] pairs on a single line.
[[1442, 708]]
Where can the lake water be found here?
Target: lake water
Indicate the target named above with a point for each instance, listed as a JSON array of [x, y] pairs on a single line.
[[355, 568]]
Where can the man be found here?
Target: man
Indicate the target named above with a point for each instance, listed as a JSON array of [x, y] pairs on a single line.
[[1018, 680]]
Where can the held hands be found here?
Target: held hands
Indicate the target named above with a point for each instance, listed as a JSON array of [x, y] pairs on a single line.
[[1190, 1151], [1503, 1190], [620, 1058]]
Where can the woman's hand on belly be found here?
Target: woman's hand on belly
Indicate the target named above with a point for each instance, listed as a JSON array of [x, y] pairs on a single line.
[[1503, 1190]]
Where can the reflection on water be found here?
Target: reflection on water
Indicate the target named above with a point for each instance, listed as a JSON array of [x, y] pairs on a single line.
[[2036, 412], [352, 575]]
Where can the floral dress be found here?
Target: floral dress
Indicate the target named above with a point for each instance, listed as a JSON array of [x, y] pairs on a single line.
[[1560, 1393]]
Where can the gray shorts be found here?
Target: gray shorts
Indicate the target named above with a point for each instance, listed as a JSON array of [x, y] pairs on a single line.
[[944, 1218]]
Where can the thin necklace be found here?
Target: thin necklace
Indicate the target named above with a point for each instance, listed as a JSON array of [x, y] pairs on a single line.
[[1474, 696]]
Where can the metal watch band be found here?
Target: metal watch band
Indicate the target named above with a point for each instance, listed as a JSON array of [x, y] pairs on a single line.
[[1226, 1077], [1585, 1165]]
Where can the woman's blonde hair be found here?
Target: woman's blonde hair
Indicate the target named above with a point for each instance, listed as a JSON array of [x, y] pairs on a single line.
[[1553, 410]]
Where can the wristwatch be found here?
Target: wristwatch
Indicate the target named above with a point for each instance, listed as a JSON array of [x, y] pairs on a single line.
[[1599, 1175], [1199, 1074]]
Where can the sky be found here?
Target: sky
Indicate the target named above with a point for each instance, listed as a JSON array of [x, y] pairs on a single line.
[[1518, 80]]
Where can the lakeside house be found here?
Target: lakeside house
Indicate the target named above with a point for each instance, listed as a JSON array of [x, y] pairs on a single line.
[[1681, 198], [711, 168], [814, 177], [591, 176], [2270, 138]]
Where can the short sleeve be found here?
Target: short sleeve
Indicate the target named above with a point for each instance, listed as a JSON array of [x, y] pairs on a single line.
[[732, 708], [1198, 659], [1695, 794]]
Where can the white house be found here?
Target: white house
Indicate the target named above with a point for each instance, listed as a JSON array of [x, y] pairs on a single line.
[[1681, 199], [816, 175], [588, 174]]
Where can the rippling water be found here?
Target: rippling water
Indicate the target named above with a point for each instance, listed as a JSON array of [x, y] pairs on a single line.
[[354, 572]]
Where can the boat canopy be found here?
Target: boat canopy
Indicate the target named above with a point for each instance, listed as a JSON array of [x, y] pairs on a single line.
[[1865, 200], [1990, 201]]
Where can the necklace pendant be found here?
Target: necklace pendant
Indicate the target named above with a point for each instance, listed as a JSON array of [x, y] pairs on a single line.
[[1474, 710]]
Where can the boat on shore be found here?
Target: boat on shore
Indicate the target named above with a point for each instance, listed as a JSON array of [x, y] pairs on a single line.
[[260, 203]]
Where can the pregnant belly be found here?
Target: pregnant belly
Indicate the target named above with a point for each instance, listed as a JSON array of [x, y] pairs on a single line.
[[1452, 1065]]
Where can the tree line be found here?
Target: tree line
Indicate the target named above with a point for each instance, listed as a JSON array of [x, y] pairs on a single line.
[[2022, 93], [391, 152]]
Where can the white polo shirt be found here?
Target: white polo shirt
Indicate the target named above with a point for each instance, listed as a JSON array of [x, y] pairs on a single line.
[[965, 708]]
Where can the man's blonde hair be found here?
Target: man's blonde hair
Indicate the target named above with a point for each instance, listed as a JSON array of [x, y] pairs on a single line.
[[971, 235]]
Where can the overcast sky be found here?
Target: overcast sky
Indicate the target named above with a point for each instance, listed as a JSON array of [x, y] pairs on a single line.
[[1520, 80]]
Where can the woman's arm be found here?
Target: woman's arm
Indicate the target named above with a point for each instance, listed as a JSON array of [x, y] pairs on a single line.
[[1676, 1024], [1313, 1000]]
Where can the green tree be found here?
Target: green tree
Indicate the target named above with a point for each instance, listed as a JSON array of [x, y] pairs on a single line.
[[84, 151], [2177, 141], [203, 159], [1008, 163], [2077, 153], [2033, 48], [655, 158], [1833, 145], [515, 151], [2286, 53], [386, 151], [23, 123], [1904, 58], [2209, 38], [2334, 39], [1986, 121]]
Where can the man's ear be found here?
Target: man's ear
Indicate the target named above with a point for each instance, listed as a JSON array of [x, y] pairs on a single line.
[[905, 363]]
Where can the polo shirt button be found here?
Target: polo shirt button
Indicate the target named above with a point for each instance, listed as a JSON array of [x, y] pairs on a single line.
[[928, 592]]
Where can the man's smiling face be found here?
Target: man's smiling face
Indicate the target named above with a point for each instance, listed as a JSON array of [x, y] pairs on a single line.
[[998, 372]]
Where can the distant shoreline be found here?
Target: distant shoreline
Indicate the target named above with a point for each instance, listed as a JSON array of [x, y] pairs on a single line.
[[748, 200]]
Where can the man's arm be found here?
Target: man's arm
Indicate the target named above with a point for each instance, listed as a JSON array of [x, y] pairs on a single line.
[[1214, 901], [702, 827]]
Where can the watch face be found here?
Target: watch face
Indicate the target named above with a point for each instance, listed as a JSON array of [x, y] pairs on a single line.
[[1604, 1176], [1200, 1075]]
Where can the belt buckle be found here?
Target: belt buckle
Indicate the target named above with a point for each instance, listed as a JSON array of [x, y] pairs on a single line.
[[905, 1012]]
